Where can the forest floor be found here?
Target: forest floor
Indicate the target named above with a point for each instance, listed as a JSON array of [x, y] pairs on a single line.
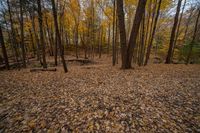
[[99, 97]]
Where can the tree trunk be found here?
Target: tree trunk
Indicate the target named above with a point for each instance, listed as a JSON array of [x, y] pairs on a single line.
[[153, 34], [5, 56], [32, 17], [122, 30], [134, 33], [108, 50], [141, 57], [187, 25], [173, 33], [113, 40], [32, 42], [14, 41], [83, 44], [56, 51], [58, 36], [178, 32], [101, 42], [67, 39], [50, 38], [194, 37], [116, 39], [76, 40], [147, 35], [22, 34], [41, 34]]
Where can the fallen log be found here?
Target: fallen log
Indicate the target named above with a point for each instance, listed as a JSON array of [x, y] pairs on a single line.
[[43, 69], [84, 61], [12, 65]]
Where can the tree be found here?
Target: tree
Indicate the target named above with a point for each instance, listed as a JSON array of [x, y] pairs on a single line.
[[14, 40], [36, 39], [4, 49], [42, 43], [187, 24], [22, 33], [178, 28], [91, 28], [153, 33], [193, 37], [173, 34], [50, 38], [121, 24], [126, 64], [113, 39], [75, 10], [58, 39]]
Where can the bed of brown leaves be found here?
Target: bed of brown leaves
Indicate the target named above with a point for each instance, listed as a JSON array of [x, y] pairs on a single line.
[[156, 98]]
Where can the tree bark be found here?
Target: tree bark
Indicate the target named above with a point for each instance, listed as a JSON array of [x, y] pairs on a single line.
[[113, 39], [4, 49], [194, 37], [49, 37], [41, 34], [134, 33], [58, 36], [173, 33], [122, 30], [101, 42], [153, 34], [43, 69], [187, 25], [178, 29], [22, 34], [141, 52], [108, 50], [14, 41], [32, 42], [32, 17]]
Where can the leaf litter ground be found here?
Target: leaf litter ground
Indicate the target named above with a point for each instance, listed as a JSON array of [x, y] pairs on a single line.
[[156, 98]]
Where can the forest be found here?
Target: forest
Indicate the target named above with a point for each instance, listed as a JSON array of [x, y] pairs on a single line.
[[99, 66]]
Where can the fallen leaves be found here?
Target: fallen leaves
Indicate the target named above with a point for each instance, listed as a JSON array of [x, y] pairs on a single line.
[[32, 124], [157, 98]]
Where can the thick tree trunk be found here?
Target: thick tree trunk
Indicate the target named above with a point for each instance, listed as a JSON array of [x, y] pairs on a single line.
[[134, 33], [5, 56], [122, 30], [173, 33], [58, 36], [41, 34]]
